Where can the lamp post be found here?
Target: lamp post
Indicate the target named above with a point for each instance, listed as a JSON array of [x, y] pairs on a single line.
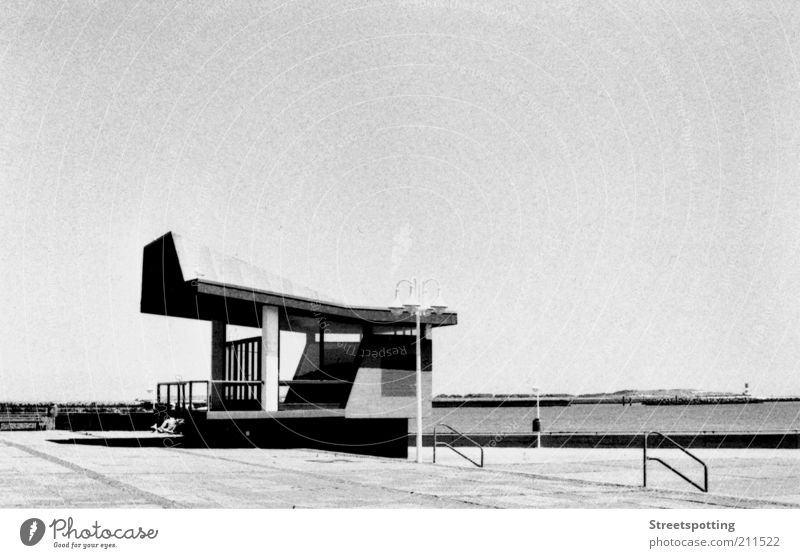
[[415, 306], [537, 424]]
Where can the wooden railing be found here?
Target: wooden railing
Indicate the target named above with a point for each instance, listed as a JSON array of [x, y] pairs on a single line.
[[18, 421], [209, 395], [242, 365]]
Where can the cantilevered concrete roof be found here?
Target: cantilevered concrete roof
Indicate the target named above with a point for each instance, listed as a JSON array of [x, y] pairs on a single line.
[[187, 280]]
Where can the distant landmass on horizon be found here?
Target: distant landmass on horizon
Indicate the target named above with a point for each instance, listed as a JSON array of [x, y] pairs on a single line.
[[625, 397], [679, 392]]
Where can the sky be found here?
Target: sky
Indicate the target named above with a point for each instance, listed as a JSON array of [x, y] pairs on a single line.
[[607, 192]]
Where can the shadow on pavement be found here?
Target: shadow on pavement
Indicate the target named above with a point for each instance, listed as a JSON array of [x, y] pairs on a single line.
[[124, 442]]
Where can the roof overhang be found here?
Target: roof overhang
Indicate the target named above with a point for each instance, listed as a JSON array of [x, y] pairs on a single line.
[[186, 281]]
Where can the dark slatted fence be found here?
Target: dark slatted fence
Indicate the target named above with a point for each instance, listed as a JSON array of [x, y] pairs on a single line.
[[243, 364]]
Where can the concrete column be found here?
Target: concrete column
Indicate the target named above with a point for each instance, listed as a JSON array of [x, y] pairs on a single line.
[[270, 363], [427, 383], [321, 347], [218, 333]]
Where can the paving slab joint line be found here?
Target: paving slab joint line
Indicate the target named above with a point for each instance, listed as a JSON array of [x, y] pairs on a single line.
[[679, 496], [713, 499], [338, 479], [147, 496], [722, 500]]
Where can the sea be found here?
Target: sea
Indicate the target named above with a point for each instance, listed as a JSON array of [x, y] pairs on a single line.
[[778, 416]]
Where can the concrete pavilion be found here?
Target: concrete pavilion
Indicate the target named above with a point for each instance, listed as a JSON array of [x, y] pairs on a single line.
[[350, 385]]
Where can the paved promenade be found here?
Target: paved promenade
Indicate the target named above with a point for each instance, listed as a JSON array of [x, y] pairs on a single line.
[[68, 469]]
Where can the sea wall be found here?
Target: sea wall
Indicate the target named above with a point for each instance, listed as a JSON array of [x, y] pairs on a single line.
[[738, 440]]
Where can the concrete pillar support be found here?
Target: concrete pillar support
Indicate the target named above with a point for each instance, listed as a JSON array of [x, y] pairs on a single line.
[[218, 338], [270, 340], [321, 347]]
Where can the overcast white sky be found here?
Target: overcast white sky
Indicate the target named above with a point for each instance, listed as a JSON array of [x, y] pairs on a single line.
[[608, 192]]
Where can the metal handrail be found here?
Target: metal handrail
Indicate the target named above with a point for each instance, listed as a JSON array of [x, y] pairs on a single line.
[[646, 458], [182, 401], [437, 443]]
